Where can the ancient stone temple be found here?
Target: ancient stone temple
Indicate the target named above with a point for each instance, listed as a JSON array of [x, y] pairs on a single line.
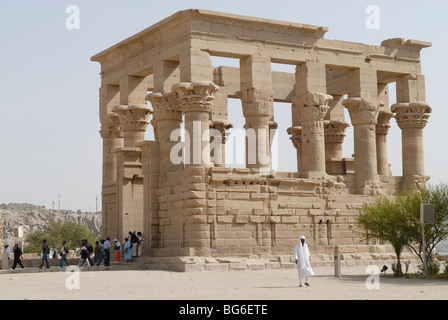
[[162, 78]]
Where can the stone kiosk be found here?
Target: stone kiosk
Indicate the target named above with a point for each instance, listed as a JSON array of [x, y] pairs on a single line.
[[199, 214]]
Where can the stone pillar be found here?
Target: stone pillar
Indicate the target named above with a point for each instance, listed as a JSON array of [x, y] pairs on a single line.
[[219, 149], [196, 101], [364, 116], [412, 118], [334, 139], [112, 138], [296, 138], [258, 110], [311, 104], [167, 117], [312, 110], [382, 129]]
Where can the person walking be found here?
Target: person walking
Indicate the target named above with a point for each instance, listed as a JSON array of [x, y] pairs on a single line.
[[64, 252], [6, 256], [96, 252], [90, 250], [17, 255], [83, 255], [302, 259], [107, 247], [102, 253], [127, 250], [117, 250], [45, 252]]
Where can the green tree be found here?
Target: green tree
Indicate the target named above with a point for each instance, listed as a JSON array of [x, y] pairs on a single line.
[[385, 219], [434, 233], [397, 221], [55, 232]]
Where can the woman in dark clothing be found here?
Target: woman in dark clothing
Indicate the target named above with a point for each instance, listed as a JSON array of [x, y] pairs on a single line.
[[17, 255]]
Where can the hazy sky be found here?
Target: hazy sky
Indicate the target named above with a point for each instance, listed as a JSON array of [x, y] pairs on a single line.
[[49, 125]]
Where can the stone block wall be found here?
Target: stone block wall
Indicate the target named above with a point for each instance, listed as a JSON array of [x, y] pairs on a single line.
[[224, 212]]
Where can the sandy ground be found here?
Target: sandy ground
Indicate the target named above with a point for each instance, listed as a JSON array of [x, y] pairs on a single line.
[[281, 284]]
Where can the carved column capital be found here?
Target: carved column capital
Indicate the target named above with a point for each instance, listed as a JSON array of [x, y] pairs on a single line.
[[335, 131], [165, 105], [112, 128], [296, 136], [411, 115], [257, 102], [223, 127], [363, 110], [383, 123], [133, 117], [195, 96], [312, 106]]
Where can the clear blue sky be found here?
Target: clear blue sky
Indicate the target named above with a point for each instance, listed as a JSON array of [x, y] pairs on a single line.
[[49, 124]]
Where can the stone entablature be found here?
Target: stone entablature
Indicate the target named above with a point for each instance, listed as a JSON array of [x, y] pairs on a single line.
[[200, 204]]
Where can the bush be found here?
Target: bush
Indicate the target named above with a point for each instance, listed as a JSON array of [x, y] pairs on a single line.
[[54, 233]]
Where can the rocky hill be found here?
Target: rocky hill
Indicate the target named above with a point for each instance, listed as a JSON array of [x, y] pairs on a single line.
[[32, 217]]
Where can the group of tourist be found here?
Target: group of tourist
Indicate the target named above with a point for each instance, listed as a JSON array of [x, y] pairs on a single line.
[[101, 252]]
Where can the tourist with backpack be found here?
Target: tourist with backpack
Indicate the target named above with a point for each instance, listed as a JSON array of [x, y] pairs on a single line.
[[90, 250]]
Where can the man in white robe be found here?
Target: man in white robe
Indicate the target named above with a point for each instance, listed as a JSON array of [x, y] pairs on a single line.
[[302, 259]]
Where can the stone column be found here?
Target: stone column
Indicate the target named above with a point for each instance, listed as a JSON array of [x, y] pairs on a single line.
[[257, 99], [112, 138], [334, 139], [223, 127], [167, 117], [382, 129], [296, 138], [196, 101], [364, 116], [412, 118], [312, 110]]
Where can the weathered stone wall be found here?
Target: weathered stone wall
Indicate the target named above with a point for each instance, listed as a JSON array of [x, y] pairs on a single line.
[[239, 212]]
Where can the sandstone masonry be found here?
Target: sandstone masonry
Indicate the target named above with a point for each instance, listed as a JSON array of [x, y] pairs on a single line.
[[205, 209]]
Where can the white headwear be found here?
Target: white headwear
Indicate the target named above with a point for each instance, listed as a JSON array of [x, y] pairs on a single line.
[[302, 237]]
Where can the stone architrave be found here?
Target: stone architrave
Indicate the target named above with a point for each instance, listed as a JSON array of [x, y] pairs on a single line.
[[312, 110], [412, 118], [196, 100], [364, 116]]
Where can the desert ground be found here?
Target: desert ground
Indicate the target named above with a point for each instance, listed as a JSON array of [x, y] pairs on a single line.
[[269, 284]]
